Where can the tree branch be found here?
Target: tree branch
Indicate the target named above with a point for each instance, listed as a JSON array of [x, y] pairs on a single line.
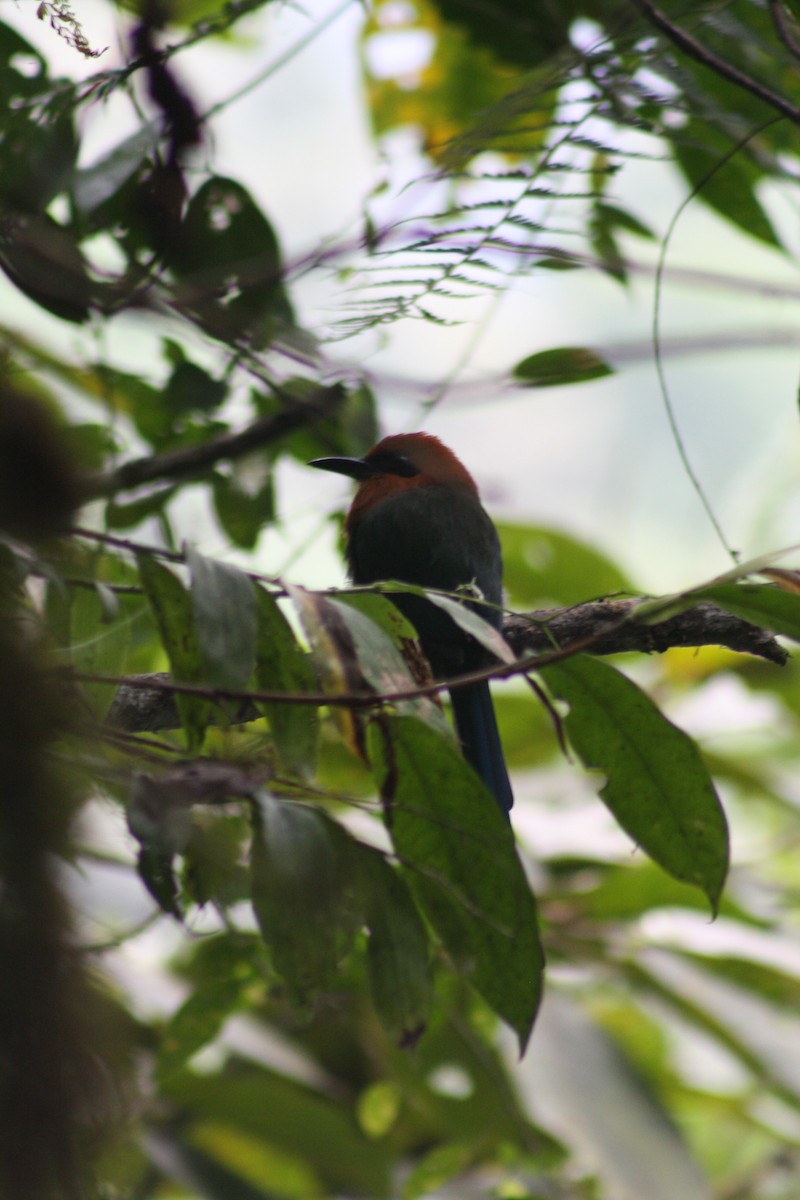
[[195, 460], [696, 50], [146, 703]]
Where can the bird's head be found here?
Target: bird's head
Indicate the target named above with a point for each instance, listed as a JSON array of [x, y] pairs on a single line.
[[395, 464]]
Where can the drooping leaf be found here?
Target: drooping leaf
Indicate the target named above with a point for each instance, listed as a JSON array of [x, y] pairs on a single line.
[[459, 853], [657, 785], [385, 646], [224, 606], [475, 625], [160, 822], [281, 665], [174, 616], [554, 368], [334, 656], [304, 891]]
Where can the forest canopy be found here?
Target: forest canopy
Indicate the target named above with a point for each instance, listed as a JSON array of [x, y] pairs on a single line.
[[265, 931]]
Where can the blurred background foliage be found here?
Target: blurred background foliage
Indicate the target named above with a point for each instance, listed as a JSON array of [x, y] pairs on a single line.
[[203, 1002]]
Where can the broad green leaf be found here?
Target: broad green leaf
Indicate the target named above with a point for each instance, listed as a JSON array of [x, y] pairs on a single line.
[[554, 368], [282, 666], [304, 892], [459, 852], [545, 566], [397, 951], [657, 785], [174, 616], [224, 606], [763, 604]]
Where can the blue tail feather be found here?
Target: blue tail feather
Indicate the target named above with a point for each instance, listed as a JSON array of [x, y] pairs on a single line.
[[476, 724]]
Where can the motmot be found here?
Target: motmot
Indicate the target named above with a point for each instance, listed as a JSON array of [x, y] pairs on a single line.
[[417, 518]]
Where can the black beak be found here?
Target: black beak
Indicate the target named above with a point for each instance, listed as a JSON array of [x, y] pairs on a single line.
[[356, 468]]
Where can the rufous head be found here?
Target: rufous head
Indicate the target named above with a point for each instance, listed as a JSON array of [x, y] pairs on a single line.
[[396, 463]]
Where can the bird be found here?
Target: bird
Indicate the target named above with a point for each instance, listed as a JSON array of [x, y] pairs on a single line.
[[417, 518]]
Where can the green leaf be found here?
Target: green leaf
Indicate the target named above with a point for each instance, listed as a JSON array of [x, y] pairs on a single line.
[[554, 368], [127, 516], [476, 626], [190, 389], [763, 604], [459, 852], [282, 666], [304, 894], [155, 868], [397, 952], [99, 641], [543, 566], [282, 1111], [224, 606], [174, 616], [214, 857], [657, 787], [727, 186], [382, 639], [439, 1167], [197, 1022], [93, 186], [349, 427], [242, 513], [226, 246], [43, 259]]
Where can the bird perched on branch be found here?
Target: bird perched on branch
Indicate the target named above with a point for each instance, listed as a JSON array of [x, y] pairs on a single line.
[[417, 518]]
